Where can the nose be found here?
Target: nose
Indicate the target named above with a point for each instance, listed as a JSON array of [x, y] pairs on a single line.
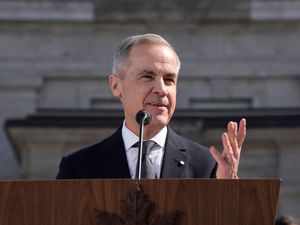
[[160, 87]]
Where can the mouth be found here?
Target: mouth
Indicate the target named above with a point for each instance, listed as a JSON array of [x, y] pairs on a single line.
[[157, 104]]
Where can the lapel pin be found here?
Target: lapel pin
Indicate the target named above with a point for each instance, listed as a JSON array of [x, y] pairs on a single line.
[[180, 163]]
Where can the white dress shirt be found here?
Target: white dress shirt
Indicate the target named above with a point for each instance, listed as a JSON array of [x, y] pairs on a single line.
[[156, 154]]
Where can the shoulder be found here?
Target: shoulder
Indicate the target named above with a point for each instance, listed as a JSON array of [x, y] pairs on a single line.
[[97, 148], [82, 163]]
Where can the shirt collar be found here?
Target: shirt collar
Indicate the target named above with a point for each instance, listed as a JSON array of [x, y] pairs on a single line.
[[130, 138]]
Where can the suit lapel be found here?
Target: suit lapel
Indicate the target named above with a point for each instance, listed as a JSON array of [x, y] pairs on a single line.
[[175, 159], [115, 155]]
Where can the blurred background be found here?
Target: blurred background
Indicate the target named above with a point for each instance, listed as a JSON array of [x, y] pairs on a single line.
[[240, 58]]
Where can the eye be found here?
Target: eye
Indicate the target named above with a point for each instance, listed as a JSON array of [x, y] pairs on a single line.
[[170, 80], [147, 76]]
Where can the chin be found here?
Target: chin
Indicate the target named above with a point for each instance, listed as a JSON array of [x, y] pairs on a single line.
[[159, 121]]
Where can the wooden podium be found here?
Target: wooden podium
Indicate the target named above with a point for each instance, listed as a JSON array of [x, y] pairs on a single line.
[[139, 202]]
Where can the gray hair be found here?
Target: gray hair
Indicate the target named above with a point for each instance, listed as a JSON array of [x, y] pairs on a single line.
[[122, 52]]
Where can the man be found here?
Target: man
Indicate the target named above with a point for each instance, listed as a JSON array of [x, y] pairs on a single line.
[[144, 76], [286, 220]]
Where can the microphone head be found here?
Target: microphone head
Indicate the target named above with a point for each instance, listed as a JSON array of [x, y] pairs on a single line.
[[143, 115]]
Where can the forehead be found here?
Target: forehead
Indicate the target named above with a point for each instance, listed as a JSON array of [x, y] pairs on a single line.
[[153, 55]]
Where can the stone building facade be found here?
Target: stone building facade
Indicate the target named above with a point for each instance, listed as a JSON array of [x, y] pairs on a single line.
[[239, 58]]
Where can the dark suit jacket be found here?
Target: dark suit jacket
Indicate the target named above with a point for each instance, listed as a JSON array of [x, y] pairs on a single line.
[[107, 159]]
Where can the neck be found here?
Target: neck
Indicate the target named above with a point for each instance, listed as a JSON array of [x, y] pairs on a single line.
[[149, 131]]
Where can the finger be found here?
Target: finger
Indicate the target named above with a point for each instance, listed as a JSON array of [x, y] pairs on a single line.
[[241, 133], [236, 149], [216, 155], [232, 136], [230, 130], [227, 153], [226, 145]]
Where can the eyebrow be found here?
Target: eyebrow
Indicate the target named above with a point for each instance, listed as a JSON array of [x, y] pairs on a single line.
[[146, 72], [150, 72]]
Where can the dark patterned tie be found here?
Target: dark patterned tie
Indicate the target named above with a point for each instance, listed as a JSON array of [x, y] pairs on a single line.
[[148, 170]]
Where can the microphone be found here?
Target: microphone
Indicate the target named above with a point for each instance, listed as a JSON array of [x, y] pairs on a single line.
[[143, 115], [143, 118]]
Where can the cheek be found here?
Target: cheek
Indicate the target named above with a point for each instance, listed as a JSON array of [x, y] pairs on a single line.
[[173, 97], [135, 96]]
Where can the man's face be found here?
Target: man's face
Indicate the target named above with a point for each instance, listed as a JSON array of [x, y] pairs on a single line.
[[148, 82]]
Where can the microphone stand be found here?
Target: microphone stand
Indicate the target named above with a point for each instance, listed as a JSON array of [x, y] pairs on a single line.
[[143, 118], [140, 155]]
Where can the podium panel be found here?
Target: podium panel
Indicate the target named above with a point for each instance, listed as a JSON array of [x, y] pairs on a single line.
[[156, 202]]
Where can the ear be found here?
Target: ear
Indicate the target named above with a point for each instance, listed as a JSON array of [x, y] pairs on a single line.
[[114, 84]]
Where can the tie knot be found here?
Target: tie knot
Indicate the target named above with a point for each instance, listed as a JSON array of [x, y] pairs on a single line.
[[148, 146]]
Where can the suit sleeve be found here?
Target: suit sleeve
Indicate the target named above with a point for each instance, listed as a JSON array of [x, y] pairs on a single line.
[[65, 170], [214, 172]]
